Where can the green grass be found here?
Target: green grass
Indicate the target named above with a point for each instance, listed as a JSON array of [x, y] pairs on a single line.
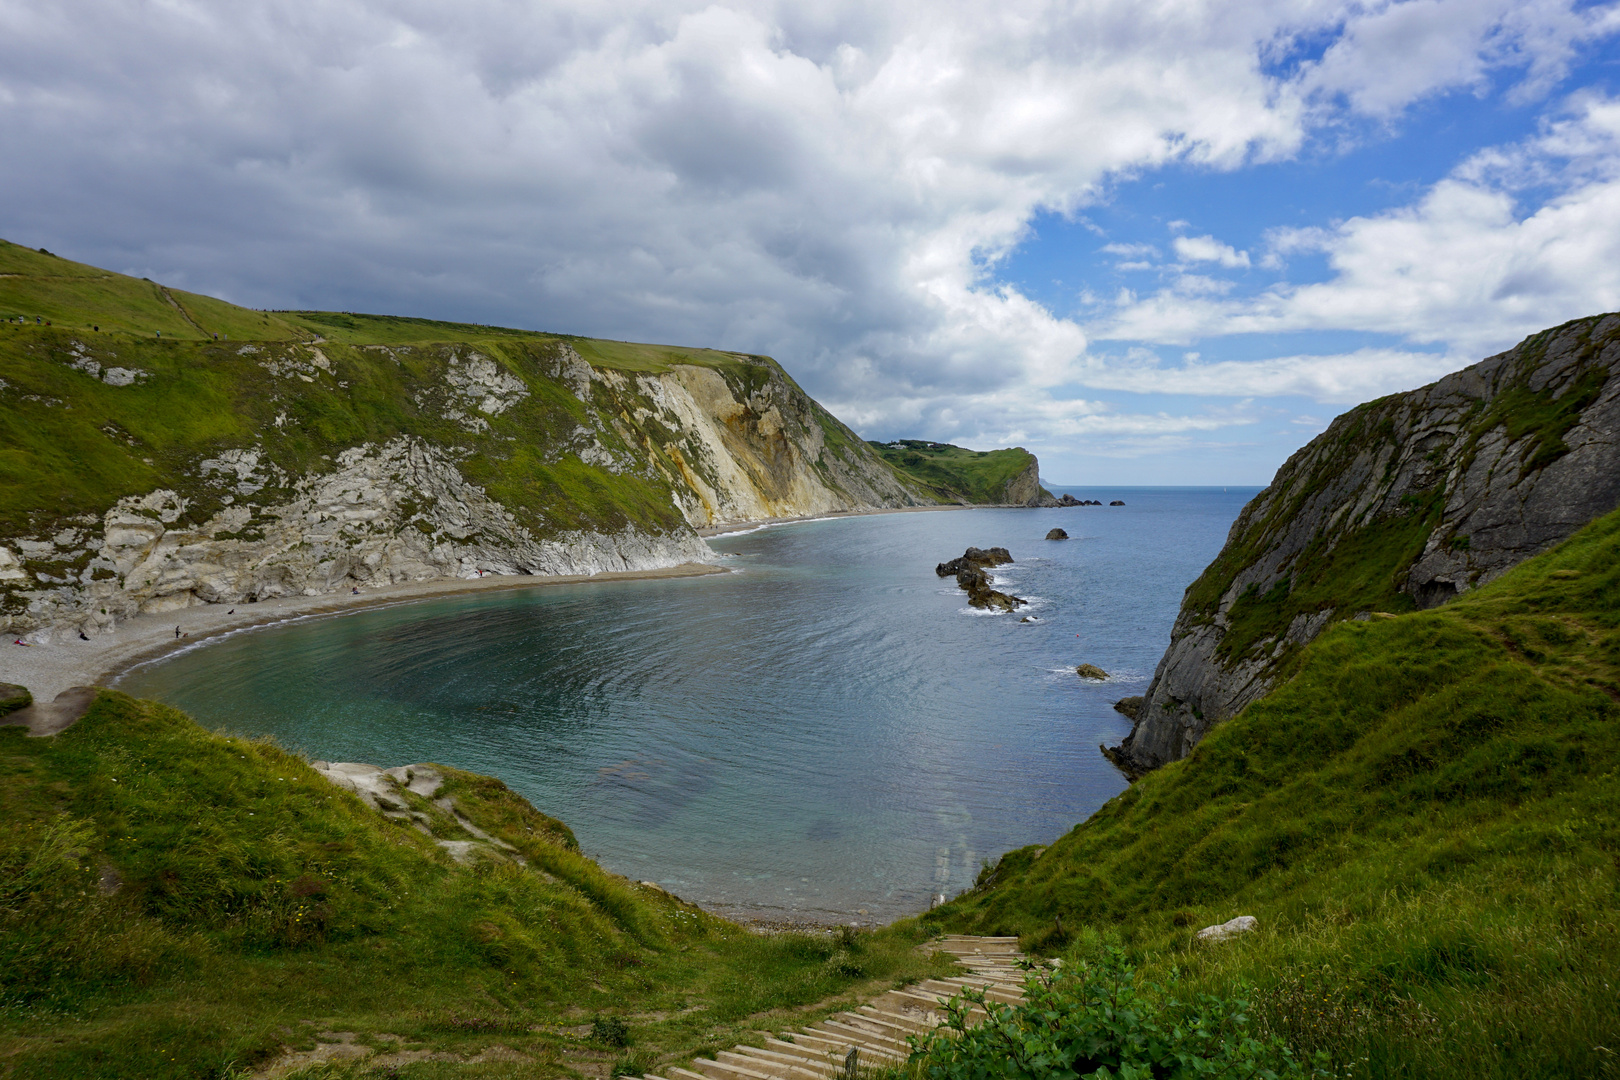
[[71, 444], [1424, 821], [258, 905], [38, 285], [1363, 567], [954, 473]]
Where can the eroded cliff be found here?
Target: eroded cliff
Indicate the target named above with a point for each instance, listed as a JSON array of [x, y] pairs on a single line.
[[154, 474], [1402, 503]]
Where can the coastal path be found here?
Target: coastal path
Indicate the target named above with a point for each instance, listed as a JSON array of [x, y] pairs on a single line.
[[874, 1034]]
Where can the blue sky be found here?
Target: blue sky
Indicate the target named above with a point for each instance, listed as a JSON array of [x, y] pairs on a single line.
[[1153, 243]]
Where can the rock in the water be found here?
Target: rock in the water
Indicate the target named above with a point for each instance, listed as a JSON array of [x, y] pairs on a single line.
[[1057, 534], [1129, 706], [1069, 500], [1117, 502], [1090, 671], [1230, 929], [969, 573]]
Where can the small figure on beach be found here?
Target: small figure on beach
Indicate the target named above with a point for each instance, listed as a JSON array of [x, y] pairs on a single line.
[[83, 636], [355, 591], [20, 641], [231, 612], [177, 633]]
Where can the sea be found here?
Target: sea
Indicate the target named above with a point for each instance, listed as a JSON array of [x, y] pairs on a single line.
[[828, 734]]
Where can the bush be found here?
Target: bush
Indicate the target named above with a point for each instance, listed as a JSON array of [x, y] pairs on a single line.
[[1095, 1019]]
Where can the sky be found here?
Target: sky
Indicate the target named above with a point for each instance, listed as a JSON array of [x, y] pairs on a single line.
[[1153, 241]]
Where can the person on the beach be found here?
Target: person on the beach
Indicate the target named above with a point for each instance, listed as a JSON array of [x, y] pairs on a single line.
[[19, 641], [177, 633]]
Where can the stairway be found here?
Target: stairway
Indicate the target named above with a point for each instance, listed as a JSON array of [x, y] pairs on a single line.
[[876, 1031]]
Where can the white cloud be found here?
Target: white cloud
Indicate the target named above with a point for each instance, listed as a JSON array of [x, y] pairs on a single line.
[[1465, 265], [1340, 379], [1208, 249], [1392, 54], [829, 182]]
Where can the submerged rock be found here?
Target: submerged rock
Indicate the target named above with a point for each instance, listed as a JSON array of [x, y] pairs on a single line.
[[1057, 534], [1117, 502]]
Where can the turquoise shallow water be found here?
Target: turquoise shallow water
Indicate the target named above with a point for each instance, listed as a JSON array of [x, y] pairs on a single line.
[[829, 729]]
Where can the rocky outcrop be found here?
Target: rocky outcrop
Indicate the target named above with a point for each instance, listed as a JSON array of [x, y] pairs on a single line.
[[969, 571], [1056, 534], [579, 469], [1402, 503], [386, 514], [1025, 488]]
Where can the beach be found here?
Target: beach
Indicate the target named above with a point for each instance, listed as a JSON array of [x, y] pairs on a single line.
[[47, 670]]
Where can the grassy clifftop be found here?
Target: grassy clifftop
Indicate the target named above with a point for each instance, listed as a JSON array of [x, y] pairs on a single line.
[[242, 423], [956, 474], [1424, 821], [175, 903]]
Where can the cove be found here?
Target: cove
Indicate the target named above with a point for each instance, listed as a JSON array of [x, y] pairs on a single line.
[[827, 734]]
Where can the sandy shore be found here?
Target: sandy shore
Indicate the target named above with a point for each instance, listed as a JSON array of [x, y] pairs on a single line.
[[721, 528], [47, 670]]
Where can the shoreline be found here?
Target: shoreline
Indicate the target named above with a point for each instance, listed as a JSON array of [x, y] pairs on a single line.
[[48, 669], [727, 528]]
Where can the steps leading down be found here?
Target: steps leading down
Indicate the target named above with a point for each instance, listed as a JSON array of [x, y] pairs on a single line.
[[877, 1030]]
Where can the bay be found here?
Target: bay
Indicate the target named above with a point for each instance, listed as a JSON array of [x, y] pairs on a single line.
[[829, 733]]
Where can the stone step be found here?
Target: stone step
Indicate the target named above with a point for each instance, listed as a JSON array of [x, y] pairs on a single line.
[[879, 1028], [917, 1024], [863, 1034], [878, 1025], [732, 1070], [797, 1064], [779, 1065], [837, 1045]]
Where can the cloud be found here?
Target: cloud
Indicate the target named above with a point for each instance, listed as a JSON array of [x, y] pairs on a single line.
[[1465, 265], [1391, 54], [833, 183], [1208, 249], [1341, 379]]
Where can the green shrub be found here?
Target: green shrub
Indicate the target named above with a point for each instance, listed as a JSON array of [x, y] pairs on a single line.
[[1097, 1019]]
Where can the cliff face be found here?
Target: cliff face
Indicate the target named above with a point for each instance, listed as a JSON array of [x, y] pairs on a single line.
[[955, 474], [1403, 503], [148, 477]]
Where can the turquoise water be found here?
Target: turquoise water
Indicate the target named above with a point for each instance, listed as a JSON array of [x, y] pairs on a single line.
[[829, 729]]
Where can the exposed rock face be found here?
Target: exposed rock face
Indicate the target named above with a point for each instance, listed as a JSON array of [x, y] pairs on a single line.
[[384, 515], [1056, 534], [1025, 489], [1090, 671], [407, 793], [1402, 503], [970, 575], [244, 524], [749, 458]]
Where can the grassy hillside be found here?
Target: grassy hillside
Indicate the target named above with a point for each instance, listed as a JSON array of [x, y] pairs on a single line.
[[1424, 820], [117, 386], [954, 473], [175, 903]]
